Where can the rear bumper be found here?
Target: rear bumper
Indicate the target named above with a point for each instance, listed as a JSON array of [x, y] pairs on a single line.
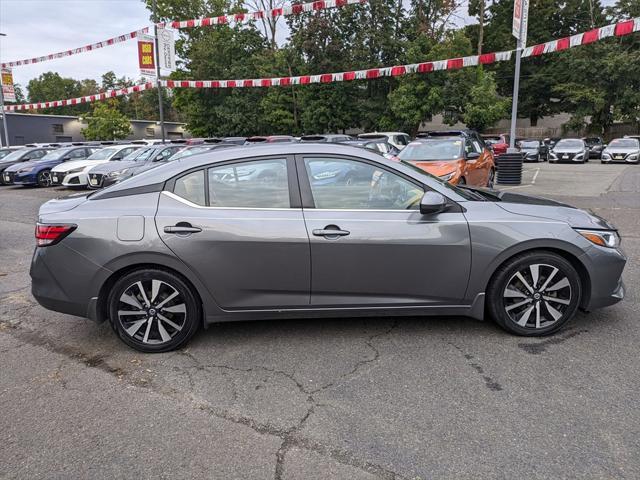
[[61, 281]]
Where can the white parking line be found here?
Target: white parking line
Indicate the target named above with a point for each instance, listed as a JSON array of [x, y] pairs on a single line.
[[535, 176]]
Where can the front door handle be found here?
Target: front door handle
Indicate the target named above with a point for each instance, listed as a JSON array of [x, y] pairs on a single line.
[[330, 231], [182, 228]]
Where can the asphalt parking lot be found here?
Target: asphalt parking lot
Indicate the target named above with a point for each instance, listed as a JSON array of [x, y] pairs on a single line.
[[407, 398]]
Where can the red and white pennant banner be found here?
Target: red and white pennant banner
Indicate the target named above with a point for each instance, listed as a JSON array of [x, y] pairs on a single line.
[[292, 9], [618, 30], [75, 51], [80, 100]]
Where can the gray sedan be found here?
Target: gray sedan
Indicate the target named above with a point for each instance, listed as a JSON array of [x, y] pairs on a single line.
[[290, 230]]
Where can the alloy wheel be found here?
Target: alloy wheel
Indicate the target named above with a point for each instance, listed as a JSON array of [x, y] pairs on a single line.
[[44, 178], [537, 296], [152, 311]]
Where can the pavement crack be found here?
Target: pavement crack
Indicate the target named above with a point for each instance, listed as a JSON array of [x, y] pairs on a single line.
[[489, 381], [361, 363]]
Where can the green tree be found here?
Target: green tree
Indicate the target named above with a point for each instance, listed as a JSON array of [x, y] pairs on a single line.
[[484, 107], [106, 123], [51, 86]]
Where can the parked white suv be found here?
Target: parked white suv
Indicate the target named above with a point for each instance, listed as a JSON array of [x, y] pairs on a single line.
[[397, 139], [74, 174]]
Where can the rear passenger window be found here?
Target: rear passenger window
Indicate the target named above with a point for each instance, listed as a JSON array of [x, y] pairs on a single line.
[[191, 187], [257, 184]]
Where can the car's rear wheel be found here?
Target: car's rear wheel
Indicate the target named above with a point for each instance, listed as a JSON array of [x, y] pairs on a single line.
[[44, 178], [534, 294], [154, 310]]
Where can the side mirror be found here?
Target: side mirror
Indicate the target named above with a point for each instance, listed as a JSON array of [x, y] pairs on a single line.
[[472, 156], [66, 159], [432, 203]]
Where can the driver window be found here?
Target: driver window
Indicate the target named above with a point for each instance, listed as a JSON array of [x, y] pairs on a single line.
[[350, 184], [476, 146]]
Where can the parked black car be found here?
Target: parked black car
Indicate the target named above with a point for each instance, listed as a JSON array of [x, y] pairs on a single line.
[[596, 146], [534, 150]]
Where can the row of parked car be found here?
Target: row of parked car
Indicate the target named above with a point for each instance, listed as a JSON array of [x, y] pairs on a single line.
[[578, 150], [456, 156]]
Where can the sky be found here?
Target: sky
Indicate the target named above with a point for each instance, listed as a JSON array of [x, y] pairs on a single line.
[[40, 27]]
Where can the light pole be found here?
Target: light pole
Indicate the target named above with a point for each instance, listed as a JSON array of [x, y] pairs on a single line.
[[159, 86], [4, 114]]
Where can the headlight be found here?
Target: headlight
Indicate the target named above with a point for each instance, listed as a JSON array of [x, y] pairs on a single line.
[[604, 238], [552, 155], [580, 155], [117, 173], [75, 170], [633, 157], [606, 156], [447, 177]]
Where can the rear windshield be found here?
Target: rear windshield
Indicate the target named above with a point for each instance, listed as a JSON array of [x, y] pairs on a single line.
[[433, 150]]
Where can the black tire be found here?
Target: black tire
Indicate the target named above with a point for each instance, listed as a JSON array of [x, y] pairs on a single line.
[[462, 181], [44, 178], [544, 315], [168, 330]]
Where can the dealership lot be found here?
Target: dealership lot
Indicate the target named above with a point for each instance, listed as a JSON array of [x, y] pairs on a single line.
[[365, 398]]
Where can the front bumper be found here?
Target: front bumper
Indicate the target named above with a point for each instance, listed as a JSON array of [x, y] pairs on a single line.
[[25, 179], [98, 180], [605, 267], [619, 159], [7, 177], [75, 180]]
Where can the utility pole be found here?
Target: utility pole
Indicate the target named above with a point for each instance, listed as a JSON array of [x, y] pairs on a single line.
[[522, 14], [157, 54], [4, 114]]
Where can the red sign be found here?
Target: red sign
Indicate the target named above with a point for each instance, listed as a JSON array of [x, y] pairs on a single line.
[[147, 55]]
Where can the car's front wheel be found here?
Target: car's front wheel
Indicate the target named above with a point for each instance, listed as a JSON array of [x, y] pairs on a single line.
[[44, 178], [153, 310], [534, 294]]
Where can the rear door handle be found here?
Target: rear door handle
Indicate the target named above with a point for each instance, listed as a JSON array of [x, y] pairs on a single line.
[[182, 229], [330, 231]]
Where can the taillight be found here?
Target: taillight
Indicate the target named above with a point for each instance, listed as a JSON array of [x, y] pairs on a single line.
[[47, 235]]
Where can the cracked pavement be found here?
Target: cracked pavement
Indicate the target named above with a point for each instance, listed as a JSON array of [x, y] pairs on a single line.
[[395, 398]]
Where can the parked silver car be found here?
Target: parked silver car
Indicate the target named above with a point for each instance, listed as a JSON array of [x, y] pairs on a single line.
[[624, 150], [264, 232]]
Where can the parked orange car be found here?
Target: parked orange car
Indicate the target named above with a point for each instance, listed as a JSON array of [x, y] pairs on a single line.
[[459, 159]]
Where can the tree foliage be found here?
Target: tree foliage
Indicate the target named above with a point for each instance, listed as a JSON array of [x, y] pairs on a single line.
[[106, 123]]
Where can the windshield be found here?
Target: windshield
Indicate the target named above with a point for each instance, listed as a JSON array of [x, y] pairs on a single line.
[[187, 152], [102, 154], [15, 155], [432, 150], [463, 193], [624, 143], [569, 143], [55, 155], [529, 144], [133, 156]]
